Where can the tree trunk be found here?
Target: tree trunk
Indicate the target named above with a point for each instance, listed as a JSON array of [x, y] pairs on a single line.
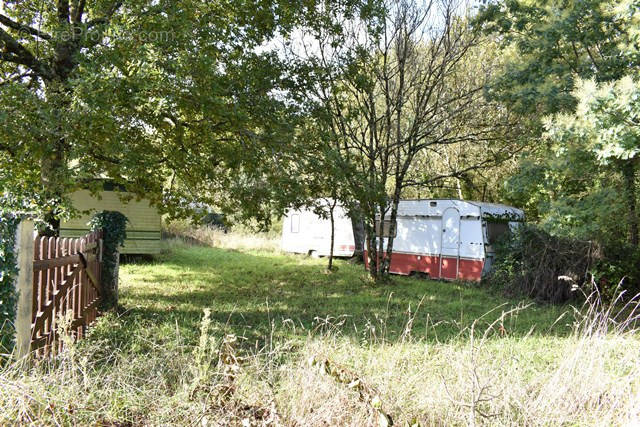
[[372, 253], [629, 174], [392, 231], [51, 175], [379, 234], [53, 167], [332, 207], [459, 189], [109, 278]]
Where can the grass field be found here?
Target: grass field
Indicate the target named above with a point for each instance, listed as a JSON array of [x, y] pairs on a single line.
[[284, 343], [248, 292]]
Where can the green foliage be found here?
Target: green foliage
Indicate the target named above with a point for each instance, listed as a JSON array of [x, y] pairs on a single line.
[[572, 68], [530, 262], [162, 96], [213, 219], [616, 269], [114, 225], [605, 121], [550, 44], [8, 273]]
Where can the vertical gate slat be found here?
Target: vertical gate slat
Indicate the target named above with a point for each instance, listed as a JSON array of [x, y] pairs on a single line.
[[88, 288], [57, 277], [51, 287], [36, 287], [65, 303], [60, 271], [77, 294], [71, 294], [44, 249]]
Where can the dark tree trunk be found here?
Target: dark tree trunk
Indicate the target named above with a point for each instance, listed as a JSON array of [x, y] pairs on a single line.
[[372, 251], [332, 207], [392, 232], [53, 166], [109, 278], [358, 235], [400, 174], [380, 255], [52, 175], [629, 174]]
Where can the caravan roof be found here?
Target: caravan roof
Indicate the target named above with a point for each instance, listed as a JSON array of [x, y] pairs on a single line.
[[499, 210], [436, 207]]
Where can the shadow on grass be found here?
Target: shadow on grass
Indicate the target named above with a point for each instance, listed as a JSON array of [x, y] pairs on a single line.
[[262, 295]]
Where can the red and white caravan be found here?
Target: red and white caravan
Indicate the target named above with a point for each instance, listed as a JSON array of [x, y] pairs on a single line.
[[447, 239]]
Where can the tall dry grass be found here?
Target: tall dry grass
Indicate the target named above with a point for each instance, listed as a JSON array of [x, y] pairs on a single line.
[[240, 238], [591, 377], [485, 377]]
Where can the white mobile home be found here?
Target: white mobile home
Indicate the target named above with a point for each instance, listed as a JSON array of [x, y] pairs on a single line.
[[448, 239], [304, 232]]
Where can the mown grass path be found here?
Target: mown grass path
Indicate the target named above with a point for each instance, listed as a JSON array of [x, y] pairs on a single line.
[[257, 294]]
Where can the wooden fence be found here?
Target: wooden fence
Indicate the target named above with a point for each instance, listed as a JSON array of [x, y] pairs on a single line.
[[66, 284]]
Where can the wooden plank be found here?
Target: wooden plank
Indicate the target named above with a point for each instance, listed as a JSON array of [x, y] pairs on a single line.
[[50, 287], [56, 262], [94, 280], [24, 287], [78, 301], [41, 278]]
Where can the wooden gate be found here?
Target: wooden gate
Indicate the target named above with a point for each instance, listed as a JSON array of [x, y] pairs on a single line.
[[66, 284]]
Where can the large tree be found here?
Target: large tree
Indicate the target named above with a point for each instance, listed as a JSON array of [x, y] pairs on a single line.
[[393, 84], [175, 99], [566, 72]]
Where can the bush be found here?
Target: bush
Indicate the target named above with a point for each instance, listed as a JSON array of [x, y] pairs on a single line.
[[617, 264], [215, 220], [531, 262], [8, 272], [114, 225]]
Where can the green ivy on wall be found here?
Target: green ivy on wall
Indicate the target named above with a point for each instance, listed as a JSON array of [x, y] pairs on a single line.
[[8, 273]]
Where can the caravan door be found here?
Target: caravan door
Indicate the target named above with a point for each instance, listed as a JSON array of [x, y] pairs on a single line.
[[450, 247]]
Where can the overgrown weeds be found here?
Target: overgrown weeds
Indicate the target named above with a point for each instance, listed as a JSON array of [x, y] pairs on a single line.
[[483, 377], [238, 238], [531, 262], [283, 344]]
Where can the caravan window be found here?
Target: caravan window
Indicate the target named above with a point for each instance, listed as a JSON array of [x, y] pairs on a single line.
[[495, 230], [295, 223], [386, 227]]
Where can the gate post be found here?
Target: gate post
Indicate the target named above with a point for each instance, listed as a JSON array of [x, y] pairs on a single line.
[[24, 288]]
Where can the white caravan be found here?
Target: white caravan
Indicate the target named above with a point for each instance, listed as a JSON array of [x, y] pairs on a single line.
[[448, 239], [304, 232]]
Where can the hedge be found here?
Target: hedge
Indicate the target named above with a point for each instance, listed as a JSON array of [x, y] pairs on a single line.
[[8, 273]]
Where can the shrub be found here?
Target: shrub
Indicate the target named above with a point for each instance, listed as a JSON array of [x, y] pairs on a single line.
[[8, 271], [114, 225], [616, 264], [215, 220], [531, 262]]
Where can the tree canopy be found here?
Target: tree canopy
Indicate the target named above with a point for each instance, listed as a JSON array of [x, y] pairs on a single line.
[[571, 70], [176, 99]]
